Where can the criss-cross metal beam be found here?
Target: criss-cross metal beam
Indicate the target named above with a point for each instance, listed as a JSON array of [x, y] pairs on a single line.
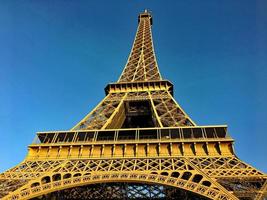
[[110, 154]]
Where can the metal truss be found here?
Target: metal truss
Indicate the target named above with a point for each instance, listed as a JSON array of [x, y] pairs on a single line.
[[142, 64], [114, 153], [172, 172], [190, 174], [169, 113], [165, 109], [102, 113]]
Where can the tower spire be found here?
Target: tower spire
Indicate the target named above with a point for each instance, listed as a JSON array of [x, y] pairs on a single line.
[[140, 80], [142, 64]]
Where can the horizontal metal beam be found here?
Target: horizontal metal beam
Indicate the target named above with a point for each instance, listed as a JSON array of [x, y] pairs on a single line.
[[139, 86]]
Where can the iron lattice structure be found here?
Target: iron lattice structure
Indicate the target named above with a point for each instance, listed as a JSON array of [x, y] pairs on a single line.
[[137, 143]]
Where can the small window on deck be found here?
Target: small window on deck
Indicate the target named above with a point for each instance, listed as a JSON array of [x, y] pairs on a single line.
[[49, 137], [69, 137], [42, 137], [105, 135], [148, 134], [221, 133], [126, 135], [60, 137], [89, 136], [165, 134], [81, 136], [197, 133], [187, 132], [175, 133], [210, 132]]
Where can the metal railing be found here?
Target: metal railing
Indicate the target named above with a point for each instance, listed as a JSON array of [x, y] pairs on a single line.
[[137, 134]]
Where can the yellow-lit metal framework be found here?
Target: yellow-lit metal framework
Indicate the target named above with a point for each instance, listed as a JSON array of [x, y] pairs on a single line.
[[101, 149]]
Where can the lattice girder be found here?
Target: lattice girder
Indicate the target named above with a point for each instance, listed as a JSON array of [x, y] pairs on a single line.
[[177, 172], [165, 109], [142, 64]]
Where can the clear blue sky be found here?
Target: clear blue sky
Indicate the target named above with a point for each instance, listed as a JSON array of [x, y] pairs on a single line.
[[57, 56]]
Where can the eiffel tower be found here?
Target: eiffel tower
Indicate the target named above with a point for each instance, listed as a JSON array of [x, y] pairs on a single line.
[[137, 143]]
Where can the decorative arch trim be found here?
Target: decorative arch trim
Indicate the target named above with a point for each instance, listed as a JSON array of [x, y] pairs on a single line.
[[37, 188]]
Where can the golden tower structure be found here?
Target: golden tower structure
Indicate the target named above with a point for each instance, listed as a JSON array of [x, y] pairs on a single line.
[[137, 143]]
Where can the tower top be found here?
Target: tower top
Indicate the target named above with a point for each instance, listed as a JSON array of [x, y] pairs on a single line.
[[145, 14], [141, 64]]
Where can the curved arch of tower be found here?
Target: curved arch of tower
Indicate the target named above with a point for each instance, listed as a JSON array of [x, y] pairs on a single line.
[[47, 186], [137, 143]]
